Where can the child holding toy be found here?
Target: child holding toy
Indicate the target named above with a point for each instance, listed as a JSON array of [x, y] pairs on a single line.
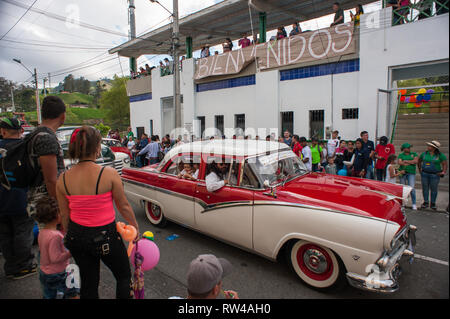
[[54, 256]]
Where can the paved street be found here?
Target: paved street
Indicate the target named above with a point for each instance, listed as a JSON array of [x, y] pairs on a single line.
[[256, 277]]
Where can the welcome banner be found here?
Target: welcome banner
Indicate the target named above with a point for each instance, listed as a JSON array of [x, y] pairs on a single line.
[[304, 47]]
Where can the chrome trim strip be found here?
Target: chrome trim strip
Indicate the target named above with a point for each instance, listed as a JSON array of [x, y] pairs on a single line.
[[259, 203], [211, 207]]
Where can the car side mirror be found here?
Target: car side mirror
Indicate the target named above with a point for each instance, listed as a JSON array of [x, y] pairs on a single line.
[[273, 192]]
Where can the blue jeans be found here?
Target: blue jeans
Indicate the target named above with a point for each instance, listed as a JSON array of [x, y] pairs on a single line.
[[410, 179], [54, 286], [430, 182], [16, 242], [369, 173]]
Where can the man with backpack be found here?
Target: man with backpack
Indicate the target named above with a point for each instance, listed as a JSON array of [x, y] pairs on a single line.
[[16, 226], [46, 151]]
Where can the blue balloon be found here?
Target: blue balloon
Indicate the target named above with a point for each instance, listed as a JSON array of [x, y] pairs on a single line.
[[427, 97], [419, 98], [342, 172]]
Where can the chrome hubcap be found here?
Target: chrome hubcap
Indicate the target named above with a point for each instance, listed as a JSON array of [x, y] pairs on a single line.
[[155, 210], [315, 261]]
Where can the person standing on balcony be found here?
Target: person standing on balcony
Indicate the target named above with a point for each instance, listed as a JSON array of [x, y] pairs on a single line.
[[244, 41], [338, 14], [432, 166], [205, 52], [357, 16], [228, 45], [295, 29], [408, 161]]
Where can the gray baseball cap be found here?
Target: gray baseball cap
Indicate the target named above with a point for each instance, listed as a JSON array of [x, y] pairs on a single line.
[[205, 272]]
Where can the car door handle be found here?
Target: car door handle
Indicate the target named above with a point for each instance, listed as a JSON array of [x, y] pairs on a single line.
[[200, 184], [162, 176]]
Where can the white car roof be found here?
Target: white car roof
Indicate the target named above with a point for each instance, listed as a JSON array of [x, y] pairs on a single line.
[[228, 147]]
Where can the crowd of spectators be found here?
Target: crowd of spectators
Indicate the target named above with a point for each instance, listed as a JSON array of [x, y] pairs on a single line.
[[362, 159]]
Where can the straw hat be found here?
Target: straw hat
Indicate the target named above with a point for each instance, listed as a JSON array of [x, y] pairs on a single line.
[[435, 144]]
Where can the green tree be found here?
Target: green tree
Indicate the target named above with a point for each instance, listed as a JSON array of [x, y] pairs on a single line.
[[116, 103]]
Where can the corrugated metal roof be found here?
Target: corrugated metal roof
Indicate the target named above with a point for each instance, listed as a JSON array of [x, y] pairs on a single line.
[[229, 19]]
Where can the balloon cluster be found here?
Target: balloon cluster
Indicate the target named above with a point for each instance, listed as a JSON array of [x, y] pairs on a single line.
[[416, 99], [144, 246]]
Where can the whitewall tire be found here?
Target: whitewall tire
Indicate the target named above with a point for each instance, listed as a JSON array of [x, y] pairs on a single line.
[[316, 265], [154, 214]]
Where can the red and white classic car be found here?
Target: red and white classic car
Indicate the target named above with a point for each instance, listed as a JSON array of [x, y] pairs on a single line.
[[329, 227]]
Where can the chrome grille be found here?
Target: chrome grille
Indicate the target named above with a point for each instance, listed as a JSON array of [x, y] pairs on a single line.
[[118, 165]]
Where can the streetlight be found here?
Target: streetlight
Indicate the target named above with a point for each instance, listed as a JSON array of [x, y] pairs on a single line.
[[38, 108], [176, 72]]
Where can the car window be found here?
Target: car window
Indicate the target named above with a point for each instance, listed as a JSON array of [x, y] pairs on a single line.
[[177, 163], [107, 154], [248, 178]]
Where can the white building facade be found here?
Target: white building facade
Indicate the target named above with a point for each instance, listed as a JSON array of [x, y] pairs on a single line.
[[308, 99]]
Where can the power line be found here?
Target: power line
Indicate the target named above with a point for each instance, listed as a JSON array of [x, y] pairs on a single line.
[[28, 9], [55, 44]]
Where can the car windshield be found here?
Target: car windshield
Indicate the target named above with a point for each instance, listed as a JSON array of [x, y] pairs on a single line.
[[107, 154], [277, 167], [64, 134]]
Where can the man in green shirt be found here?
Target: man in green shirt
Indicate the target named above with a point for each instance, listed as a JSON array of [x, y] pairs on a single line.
[[432, 166], [408, 161]]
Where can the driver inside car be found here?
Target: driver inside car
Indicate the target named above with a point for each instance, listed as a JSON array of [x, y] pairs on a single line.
[[216, 179]]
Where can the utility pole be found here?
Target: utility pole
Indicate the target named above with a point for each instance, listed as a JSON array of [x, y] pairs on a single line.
[[132, 22], [12, 100], [49, 82], [43, 80], [176, 72], [38, 104]]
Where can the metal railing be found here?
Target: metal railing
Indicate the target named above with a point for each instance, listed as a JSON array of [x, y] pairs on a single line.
[[417, 10], [438, 103]]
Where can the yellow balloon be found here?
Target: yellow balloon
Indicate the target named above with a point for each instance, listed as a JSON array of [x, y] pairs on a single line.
[[422, 91]]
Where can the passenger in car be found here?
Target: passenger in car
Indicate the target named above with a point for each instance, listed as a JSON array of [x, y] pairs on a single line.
[[187, 172]]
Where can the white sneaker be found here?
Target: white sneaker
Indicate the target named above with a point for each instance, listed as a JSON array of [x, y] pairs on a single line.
[[414, 207]]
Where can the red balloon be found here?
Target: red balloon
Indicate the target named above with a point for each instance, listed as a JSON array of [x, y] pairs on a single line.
[[412, 99], [402, 98], [418, 104]]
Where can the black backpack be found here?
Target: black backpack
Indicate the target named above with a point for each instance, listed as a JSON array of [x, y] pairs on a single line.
[[18, 168]]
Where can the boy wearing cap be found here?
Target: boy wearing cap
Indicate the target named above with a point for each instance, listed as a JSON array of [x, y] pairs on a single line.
[[204, 278], [408, 161], [16, 227]]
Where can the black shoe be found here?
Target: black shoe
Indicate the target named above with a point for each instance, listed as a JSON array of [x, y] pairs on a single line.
[[424, 205], [25, 273], [433, 206]]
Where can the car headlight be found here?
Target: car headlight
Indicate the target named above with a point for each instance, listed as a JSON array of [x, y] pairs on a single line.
[[126, 160]]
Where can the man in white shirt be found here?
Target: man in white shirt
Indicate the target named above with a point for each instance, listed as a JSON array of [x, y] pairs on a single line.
[[215, 179], [333, 144], [306, 152]]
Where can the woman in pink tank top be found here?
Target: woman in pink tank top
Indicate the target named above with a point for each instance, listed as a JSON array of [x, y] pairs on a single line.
[[85, 196]]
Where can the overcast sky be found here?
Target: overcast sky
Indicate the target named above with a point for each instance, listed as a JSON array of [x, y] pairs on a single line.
[[61, 47]]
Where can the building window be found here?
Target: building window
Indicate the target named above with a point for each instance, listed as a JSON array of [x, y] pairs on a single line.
[[239, 124], [287, 122], [219, 124], [350, 114], [202, 124]]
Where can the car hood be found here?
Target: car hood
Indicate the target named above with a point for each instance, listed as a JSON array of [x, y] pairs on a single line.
[[363, 197]]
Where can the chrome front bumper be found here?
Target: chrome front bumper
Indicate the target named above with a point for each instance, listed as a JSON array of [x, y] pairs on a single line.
[[383, 275]]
